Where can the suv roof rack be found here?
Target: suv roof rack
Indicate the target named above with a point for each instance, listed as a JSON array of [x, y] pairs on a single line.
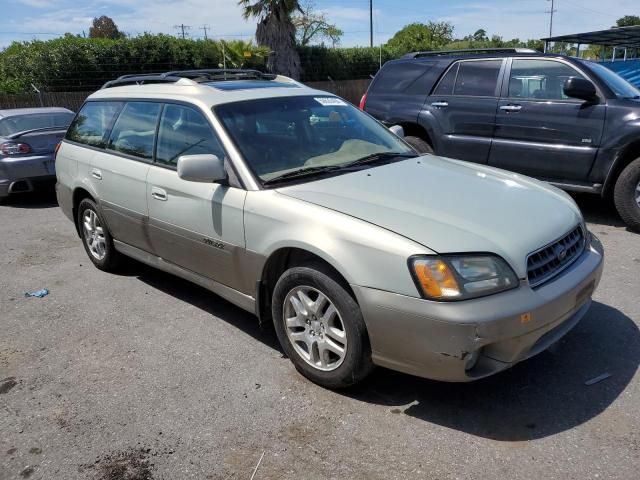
[[198, 75], [468, 51]]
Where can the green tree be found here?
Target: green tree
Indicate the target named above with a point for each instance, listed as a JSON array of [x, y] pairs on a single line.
[[312, 26], [480, 35], [276, 31], [104, 27], [628, 21], [422, 36]]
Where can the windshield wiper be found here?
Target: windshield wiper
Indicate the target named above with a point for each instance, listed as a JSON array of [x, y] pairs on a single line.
[[306, 171], [377, 157], [302, 172]]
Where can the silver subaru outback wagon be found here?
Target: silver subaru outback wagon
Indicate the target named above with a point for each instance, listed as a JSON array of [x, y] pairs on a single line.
[[296, 206]]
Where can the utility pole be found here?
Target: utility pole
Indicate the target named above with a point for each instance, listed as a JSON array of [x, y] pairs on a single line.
[[205, 27], [371, 23], [182, 27], [551, 12]]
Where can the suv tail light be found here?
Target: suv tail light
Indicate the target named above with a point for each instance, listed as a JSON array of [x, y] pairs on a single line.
[[363, 102], [10, 148]]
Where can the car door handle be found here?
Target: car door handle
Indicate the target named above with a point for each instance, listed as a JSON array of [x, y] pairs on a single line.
[[159, 194], [440, 104], [511, 108], [95, 173]]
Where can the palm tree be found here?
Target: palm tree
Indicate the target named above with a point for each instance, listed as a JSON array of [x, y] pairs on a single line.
[[276, 31]]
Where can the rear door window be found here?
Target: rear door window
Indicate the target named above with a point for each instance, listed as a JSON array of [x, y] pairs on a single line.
[[134, 131], [184, 131], [92, 123], [478, 78]]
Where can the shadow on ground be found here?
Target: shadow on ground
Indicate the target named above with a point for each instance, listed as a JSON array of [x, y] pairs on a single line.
[[542, 396], [537, 398], [598, 210], [204, 300], [43, 197]]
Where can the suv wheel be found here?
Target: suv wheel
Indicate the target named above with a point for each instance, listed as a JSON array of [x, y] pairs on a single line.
[[627, 195], [419, 144], [320, 327], [96, 238]]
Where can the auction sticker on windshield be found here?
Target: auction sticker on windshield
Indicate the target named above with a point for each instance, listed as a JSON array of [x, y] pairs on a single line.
[[330, 101]]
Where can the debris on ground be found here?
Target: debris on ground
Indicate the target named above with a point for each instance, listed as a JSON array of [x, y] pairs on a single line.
[[256, 469], [38, 293], [126, 465], [597, 379]]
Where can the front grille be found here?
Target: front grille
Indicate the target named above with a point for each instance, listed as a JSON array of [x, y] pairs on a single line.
[[549, 261]]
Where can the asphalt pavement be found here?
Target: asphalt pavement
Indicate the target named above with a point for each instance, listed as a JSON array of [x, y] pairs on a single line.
[[141, 376]]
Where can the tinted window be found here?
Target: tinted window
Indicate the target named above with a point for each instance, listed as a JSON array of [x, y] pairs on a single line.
[[445, 87], [22, 123], [184, 131], [397, 77], [92, 123], [478, 79], [134, 131], [278, 135], [543, 79]]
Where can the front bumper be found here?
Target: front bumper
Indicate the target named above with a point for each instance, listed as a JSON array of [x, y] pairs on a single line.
[[18, 174], [438, 340]]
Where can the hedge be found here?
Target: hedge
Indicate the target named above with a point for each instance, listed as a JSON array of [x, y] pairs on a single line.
[[74, 63]]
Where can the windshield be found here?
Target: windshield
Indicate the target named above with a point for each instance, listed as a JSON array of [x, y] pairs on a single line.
[[32, 121], [615, 82], [286, 134]]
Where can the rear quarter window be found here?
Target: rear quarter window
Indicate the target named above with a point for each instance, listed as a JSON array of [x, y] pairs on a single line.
[[398, 77], [92, 123]]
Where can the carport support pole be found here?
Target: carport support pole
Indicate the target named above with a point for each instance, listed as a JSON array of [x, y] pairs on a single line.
[[546, 46], [578, 51]]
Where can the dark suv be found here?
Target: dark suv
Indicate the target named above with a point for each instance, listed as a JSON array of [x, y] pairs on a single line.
[[571, 122]]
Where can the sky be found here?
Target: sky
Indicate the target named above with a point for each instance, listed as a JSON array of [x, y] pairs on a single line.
[[23, 20]]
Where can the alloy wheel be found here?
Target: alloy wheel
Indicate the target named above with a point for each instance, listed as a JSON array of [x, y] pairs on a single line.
[[315, 328], [94, 234]]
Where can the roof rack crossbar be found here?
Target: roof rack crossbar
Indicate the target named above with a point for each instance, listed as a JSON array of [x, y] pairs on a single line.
[[202, 75], [468, 51]]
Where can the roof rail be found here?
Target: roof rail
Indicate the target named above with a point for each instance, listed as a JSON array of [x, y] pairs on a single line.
[[468, 51], [198, 75]]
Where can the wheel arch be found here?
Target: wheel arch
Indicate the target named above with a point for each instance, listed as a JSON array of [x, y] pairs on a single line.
[[628, 155], [79, 194], [281, 260], [415, 130]]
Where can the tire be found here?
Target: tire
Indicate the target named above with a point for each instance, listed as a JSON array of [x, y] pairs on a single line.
[[626, 195], [419, 144], [314, 354], [96, 237]]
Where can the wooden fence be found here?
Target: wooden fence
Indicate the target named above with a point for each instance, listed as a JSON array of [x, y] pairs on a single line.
[[350, 90]]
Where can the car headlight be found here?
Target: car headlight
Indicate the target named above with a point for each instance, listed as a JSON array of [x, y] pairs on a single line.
[[460, 277]]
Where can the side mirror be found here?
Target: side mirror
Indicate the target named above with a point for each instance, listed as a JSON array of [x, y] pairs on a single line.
[[204, 168], [397, 130], [579, 88]]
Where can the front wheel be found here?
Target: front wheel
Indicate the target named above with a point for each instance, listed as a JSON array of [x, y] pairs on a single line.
[[320, 327], [626, 195]]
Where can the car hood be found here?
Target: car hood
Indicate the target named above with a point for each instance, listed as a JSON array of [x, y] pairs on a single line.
[[450, 206]]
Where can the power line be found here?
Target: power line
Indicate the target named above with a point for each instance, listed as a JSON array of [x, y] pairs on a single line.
[[551, 12], [205, 27], [182, 27]]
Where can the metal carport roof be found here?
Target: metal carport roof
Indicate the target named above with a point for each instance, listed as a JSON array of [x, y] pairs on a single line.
[[628, 37]]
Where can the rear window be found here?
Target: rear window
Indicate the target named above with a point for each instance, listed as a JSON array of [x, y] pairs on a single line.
[[478, 78], [33, 121], [397, 77], [134, 131], [92, 123]]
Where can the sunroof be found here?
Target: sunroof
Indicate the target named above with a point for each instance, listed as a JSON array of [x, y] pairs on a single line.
[[249, 84]]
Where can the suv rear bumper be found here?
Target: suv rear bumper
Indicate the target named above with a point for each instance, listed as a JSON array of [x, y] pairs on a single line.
[[441, 340]]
